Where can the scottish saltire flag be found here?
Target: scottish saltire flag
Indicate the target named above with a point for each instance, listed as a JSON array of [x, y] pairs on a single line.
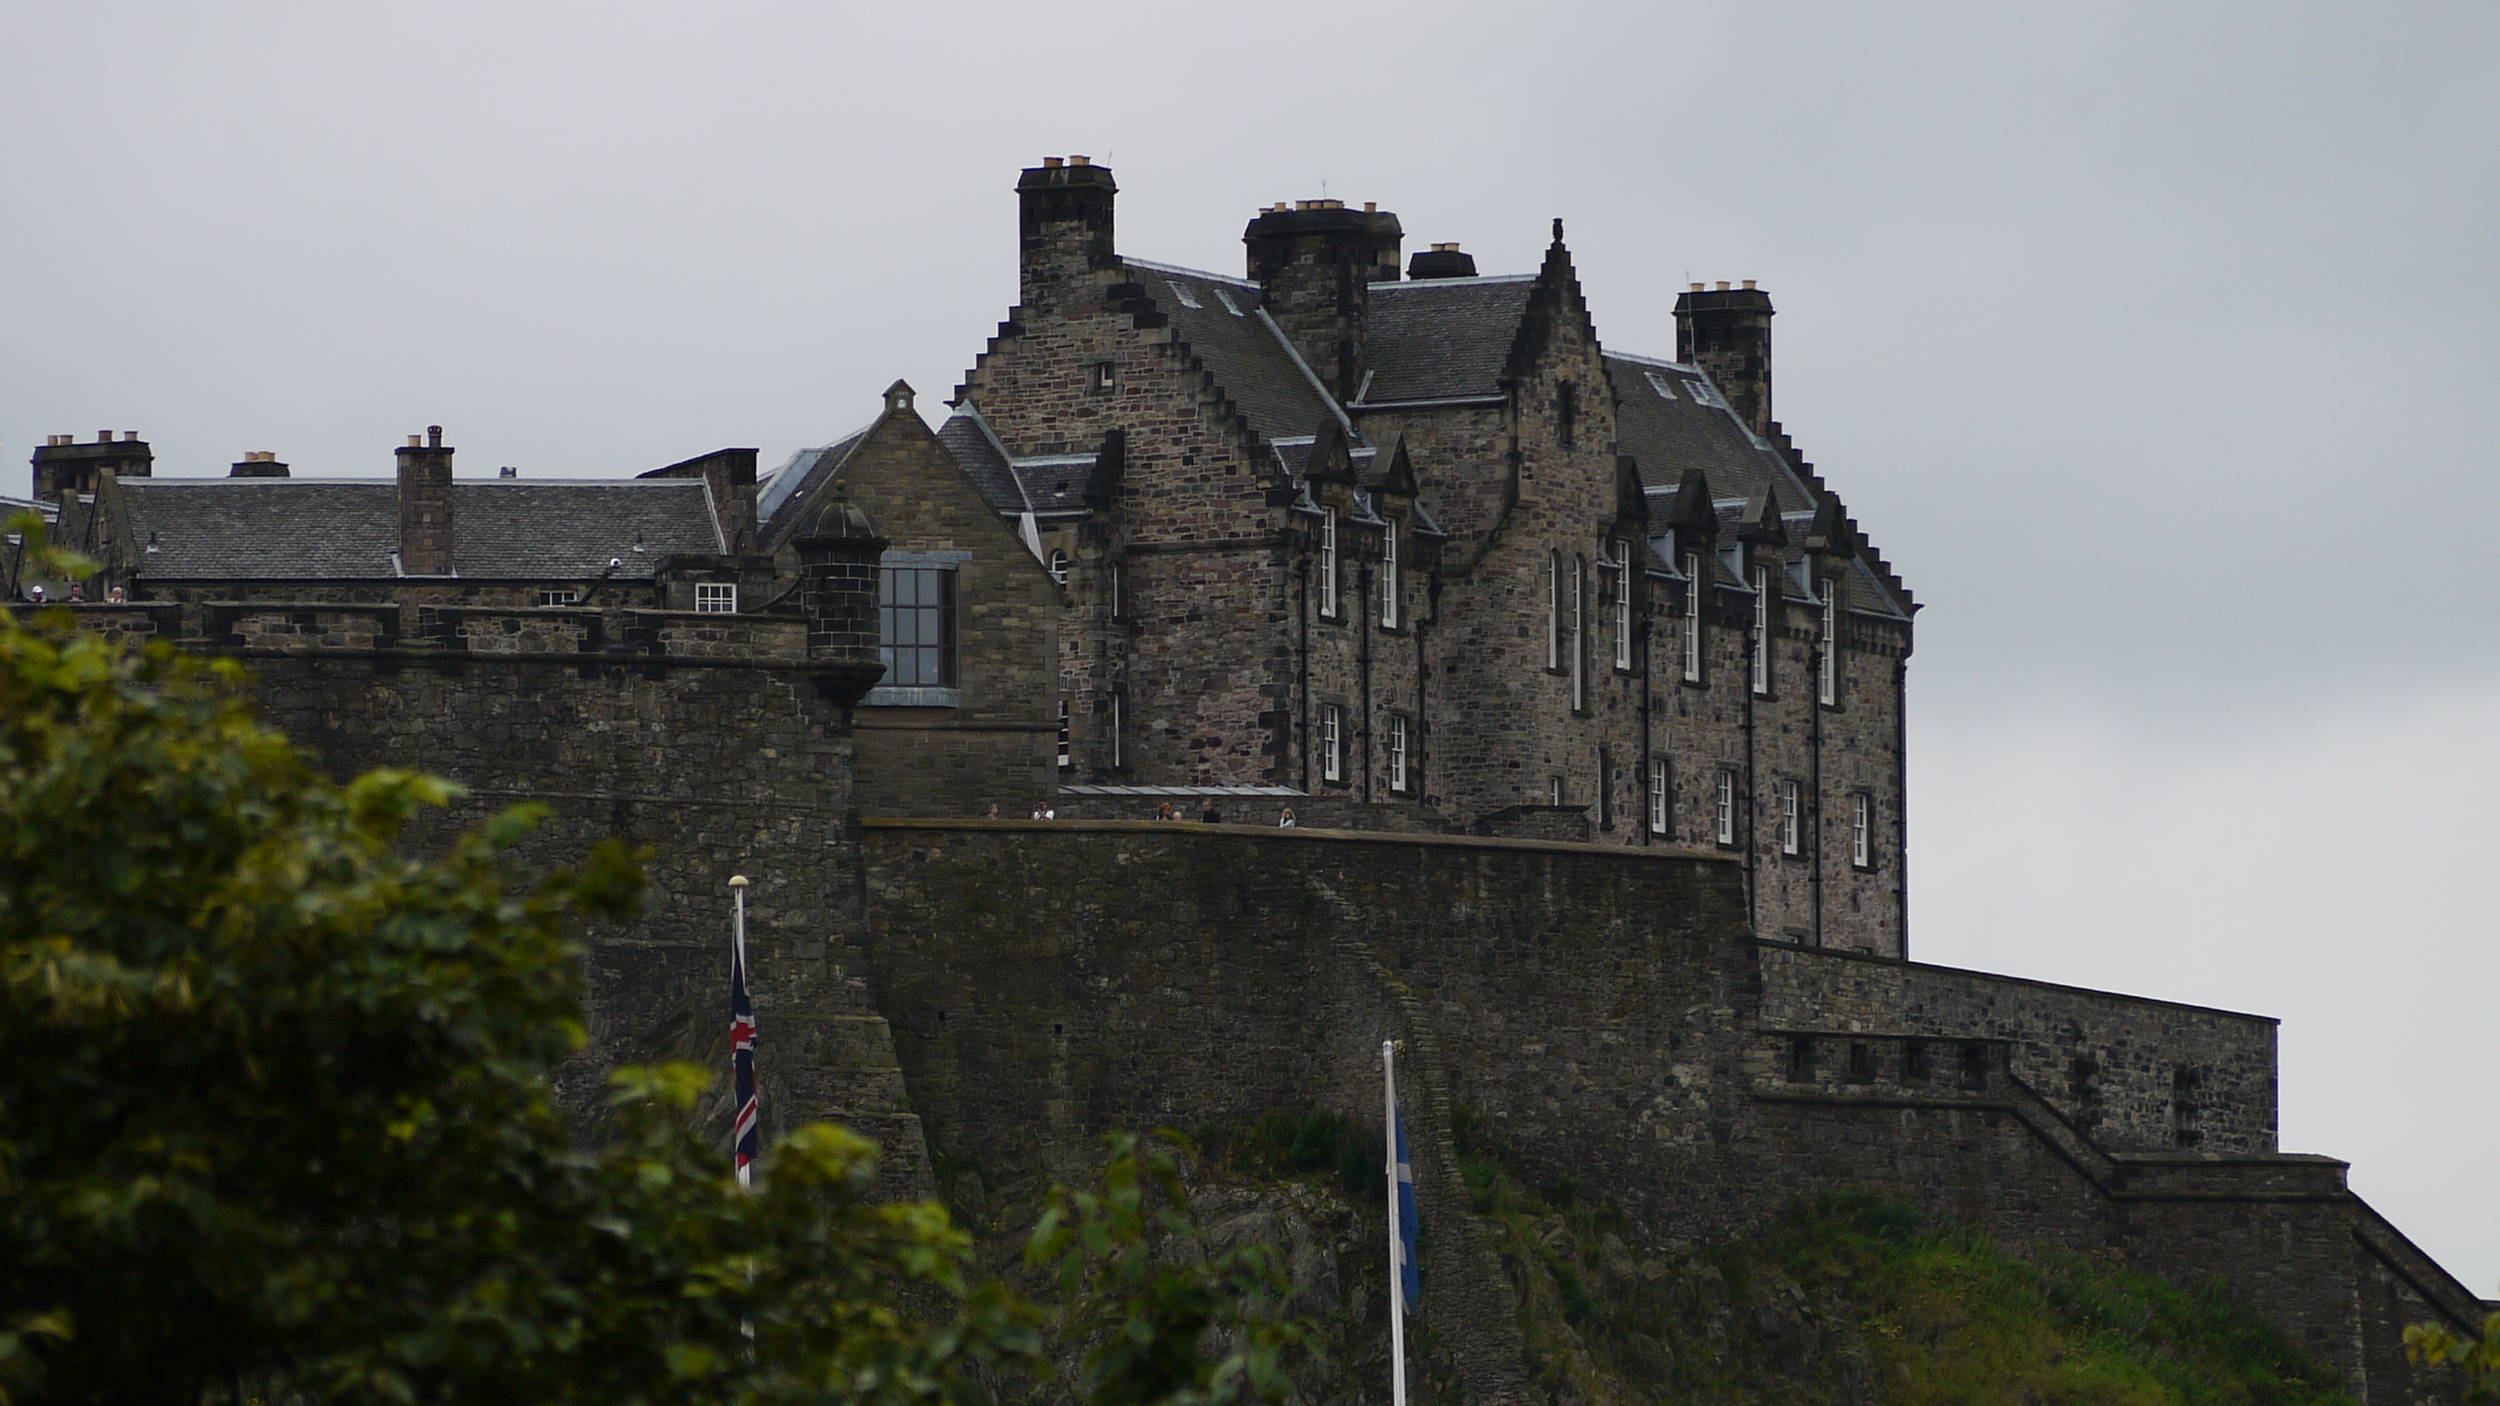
[[1410, 1278], [742, 1057]]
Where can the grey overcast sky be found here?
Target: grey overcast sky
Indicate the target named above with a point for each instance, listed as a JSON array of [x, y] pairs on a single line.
[[2152, 341]]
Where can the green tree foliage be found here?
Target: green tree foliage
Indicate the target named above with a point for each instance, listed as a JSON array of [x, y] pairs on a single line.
[[275, 1118], [2477, 1358]]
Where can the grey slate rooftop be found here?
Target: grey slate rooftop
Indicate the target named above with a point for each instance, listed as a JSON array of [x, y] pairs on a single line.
[[1251, 360], [795, 481], [347, 529], [1442, 338]]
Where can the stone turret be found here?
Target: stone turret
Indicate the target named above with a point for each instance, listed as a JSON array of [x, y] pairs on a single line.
[[1727, 333], [838, 555]]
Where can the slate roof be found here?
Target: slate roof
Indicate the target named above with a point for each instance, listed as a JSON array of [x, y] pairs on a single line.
[[270, 529], [1442, 338], [803, 470], [1251, 359], [1055, 483], [967, 436]]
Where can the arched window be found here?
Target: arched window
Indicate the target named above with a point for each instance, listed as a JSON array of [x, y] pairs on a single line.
[[1059, 567]]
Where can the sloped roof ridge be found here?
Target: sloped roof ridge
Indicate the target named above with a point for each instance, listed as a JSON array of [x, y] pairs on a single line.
[[1658, 361], [1786, 448], [1151, 266], [1477, 281], [1344, 421], [968, 409]]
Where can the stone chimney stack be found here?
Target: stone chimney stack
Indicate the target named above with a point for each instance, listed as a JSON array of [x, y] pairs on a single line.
[[1063, 209], [1727, 333], [63, 465], [425, 541], [260, 463], [838, 555], [1442, 261], [1316, 261]]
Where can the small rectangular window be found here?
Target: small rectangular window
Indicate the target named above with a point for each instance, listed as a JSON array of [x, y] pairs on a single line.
[[1389, 578], [1580, 635], [1792, 822], [1397, 752], [1657, 795], [1862, 830], [1801, 1059], [1067, 736], [1554, 790], [1106, 376], [1059, 567], [1723, 821], [559, 597], [1861, 1062], [1913, 1061], [1623, 606], [1331, 742], [1328, 564], [1114, 591], [1605, 786], [1974, 1064], [1119, 710], [1553, 610], [716, 597]]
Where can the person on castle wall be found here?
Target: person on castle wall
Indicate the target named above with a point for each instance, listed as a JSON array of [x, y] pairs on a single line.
[[1285, 821], [1165, 812], [115, 596], [1043, 810], [1208, 813], [993, 815]]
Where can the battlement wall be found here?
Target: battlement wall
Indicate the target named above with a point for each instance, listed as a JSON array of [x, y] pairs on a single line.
[[2136, 1074]]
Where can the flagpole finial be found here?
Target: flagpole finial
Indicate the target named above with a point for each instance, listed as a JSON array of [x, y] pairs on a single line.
[[737, 881]]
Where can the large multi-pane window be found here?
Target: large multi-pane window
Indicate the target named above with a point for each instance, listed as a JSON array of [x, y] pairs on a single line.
[[1695, 592], [1792, 818], [1761, 630], [1657, 795], [1724, 820], [916, 626], [1828, 686], [1862, 830], [1579, 633], [1623, 605], [1328, 564], [1389, 578]]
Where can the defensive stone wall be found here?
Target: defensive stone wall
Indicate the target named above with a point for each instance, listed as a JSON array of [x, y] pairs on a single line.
[[2135, 1074]]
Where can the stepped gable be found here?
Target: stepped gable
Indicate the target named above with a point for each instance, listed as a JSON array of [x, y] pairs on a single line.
[[1222, 321], [267, 529], [1442, 338], [796, 481]]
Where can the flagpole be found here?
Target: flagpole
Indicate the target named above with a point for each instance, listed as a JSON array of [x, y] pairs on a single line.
[[738, 963], [1397, 1269]]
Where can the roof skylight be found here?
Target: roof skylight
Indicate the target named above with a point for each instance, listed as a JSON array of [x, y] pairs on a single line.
[[1658, 383], [1181, 291], [1227, 300]]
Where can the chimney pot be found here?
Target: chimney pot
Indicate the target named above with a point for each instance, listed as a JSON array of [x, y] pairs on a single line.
[[416, 441], [1749, 283], [130, 436], [434, 433], [1371, 207], [104, 436], [1696, 287], [1052, 163], [507, 471], [1080, 161], [1722, 285]]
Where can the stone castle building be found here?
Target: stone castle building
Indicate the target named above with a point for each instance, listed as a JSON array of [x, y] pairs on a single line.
[[1585, 686]]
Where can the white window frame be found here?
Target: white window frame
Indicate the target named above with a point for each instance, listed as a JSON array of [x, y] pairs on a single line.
[[1397, 752], [1862, 830], [1328, 564], [1724, 817], [1761, 631], [1658, 795], [1792, 818], [1389, 577], [1112, 587], [1827, 684], [1623, 606], [547, 596], [1553, 609], [1579, 634], [716, 597], [1059, 566], [1331, 742], [1696, 591], [1119, 720], [1067, 736]]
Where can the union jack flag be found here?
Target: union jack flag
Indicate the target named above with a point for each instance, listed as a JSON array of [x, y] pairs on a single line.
[[742, 1058]]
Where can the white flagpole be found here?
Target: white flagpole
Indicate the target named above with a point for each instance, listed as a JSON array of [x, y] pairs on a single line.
[[738, 937], [1397, 1272]]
